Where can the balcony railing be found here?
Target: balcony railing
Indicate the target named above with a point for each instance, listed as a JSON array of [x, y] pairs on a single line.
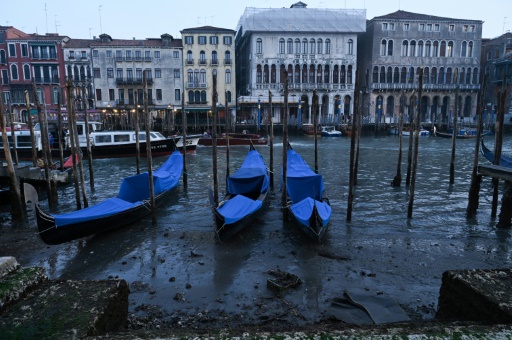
[[133, 81], [196, 85], [47, 80], [190, 61], [227, 61], [214, 62], [202, 62]]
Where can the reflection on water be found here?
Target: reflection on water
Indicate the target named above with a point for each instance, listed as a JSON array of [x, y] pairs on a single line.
[[405, 257]]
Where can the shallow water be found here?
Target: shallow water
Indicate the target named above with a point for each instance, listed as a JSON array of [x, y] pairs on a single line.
[[380, 251]]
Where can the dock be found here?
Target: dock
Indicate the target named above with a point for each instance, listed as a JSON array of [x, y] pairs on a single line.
[[34, 175]]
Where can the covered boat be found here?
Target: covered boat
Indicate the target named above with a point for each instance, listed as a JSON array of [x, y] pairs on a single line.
[[247, 193], [505, 161], [308, 201], [131, 204]]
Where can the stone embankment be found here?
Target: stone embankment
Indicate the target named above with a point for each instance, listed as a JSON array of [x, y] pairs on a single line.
[[473, 304]]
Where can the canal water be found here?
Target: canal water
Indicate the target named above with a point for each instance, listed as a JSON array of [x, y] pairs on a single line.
[[179, 266]]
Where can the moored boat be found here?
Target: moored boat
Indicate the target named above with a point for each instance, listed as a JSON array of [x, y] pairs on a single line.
[[505, 161], [247, 194], [463, 133], [130, 205], [330, 131], [407, 132], [307, 198], [308, 130], [244, 138]]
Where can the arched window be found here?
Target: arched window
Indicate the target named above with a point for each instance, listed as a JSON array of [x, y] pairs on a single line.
[[468, 76], [191, 97], [433, 76], [290, 46], [26, 72], [297, 46], [442, 51], [228, 76], [326, 74], [227, 57], [449, 75], [462, 76], [442, 79], [312, 46], [190, 77], [403, 75], [311, 78], [396, 75], [375, 75], [449, 51], [203, 97], [273, 74], [435, 49], [428, 49], [470, 50], [389, 75], [14, 72], [328, 46], [420, 48], [259, 76], [266, 74], [475, 76], [202, 58], [281, 46], [349, 74], [426, 75], [350, 47], [411, 75], [202, 77], [383, 47], [2, 57], [335, 74], [390, 47], [304, 46], [296, 74], [412, 49], [259, 46], [228, 96], [382, 78], [343, 75], [189, 57], [463, 49], [405, 48], [215, 59], [319, 46]]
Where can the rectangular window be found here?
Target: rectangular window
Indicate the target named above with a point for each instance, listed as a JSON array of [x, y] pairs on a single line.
[[149, 74], [177, 73], [421, 27], [71, 54], [109, 53], [119, 55], [436, 28], [451, 28], [110, 73], [138, 55], [119, 73], [214, 40], [12, 50], [157, 54], [120, 95], [24, 50], [158, 94], [429, 27], [384, 26], [472, 28], [406, 27], [95, 53], [111, 95], [176, 54], [227, 40], [158, 73], [122, 138], [129, 73], [147, 55], [5, 77], [97, 73], [464, 28], [84, 55], [128, 55], [138, 73], [189, 40], [201, 40], [177, 95], [98, 94], [392, 26]]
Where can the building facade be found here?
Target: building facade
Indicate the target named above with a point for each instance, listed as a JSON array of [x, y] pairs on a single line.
[[316, 47], [497, 66], [207, 51], [28, 60], [396, 46]]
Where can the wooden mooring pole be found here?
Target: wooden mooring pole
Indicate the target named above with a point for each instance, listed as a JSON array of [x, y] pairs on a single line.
[[416, 145], [455, 131], [87, 134], [315, 127], [284, 195], [498, 133], [214, 142], [412, 106], [149, 159], [73, 147], [474, 189], [352, 176], [397, 180], [184, 136], [31, 128], [271, 141], [359, 122]]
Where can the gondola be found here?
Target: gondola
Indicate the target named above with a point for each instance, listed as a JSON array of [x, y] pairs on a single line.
[[307, 200], [505, 161], [461, 133], [247, 194], [131, 204]]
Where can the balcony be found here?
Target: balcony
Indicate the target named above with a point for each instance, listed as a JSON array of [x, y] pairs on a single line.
[[133, 81], [227, 61], [47, 80], [214, 62], [190, 62], [148, 59], [202, 62], [195, 85]]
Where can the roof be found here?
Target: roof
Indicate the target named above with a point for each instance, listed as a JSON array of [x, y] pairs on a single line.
[[403, 15], [150, 42], [302, 19], [207, 29]]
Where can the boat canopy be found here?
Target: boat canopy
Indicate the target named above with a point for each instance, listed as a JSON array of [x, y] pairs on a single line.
[[133, 191], [303, 210], [301, 181], [250, 177]]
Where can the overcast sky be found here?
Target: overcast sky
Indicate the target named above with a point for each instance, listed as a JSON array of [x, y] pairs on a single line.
[[127, 19]]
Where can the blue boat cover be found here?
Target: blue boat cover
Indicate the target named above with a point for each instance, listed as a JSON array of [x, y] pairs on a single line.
[[237, 208], [251, 177], [505, 160], [133, 191], [301, 181], [303, 210]]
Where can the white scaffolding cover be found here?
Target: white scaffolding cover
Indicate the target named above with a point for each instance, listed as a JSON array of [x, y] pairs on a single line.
[[302, 20]]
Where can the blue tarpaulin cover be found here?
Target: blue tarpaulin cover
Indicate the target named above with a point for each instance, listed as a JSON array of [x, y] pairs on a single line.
[[305, 188], [133, 191], [251, 177]]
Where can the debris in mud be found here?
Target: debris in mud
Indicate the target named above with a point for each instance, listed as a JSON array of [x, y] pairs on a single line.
[[332, 256], [283, 280]]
